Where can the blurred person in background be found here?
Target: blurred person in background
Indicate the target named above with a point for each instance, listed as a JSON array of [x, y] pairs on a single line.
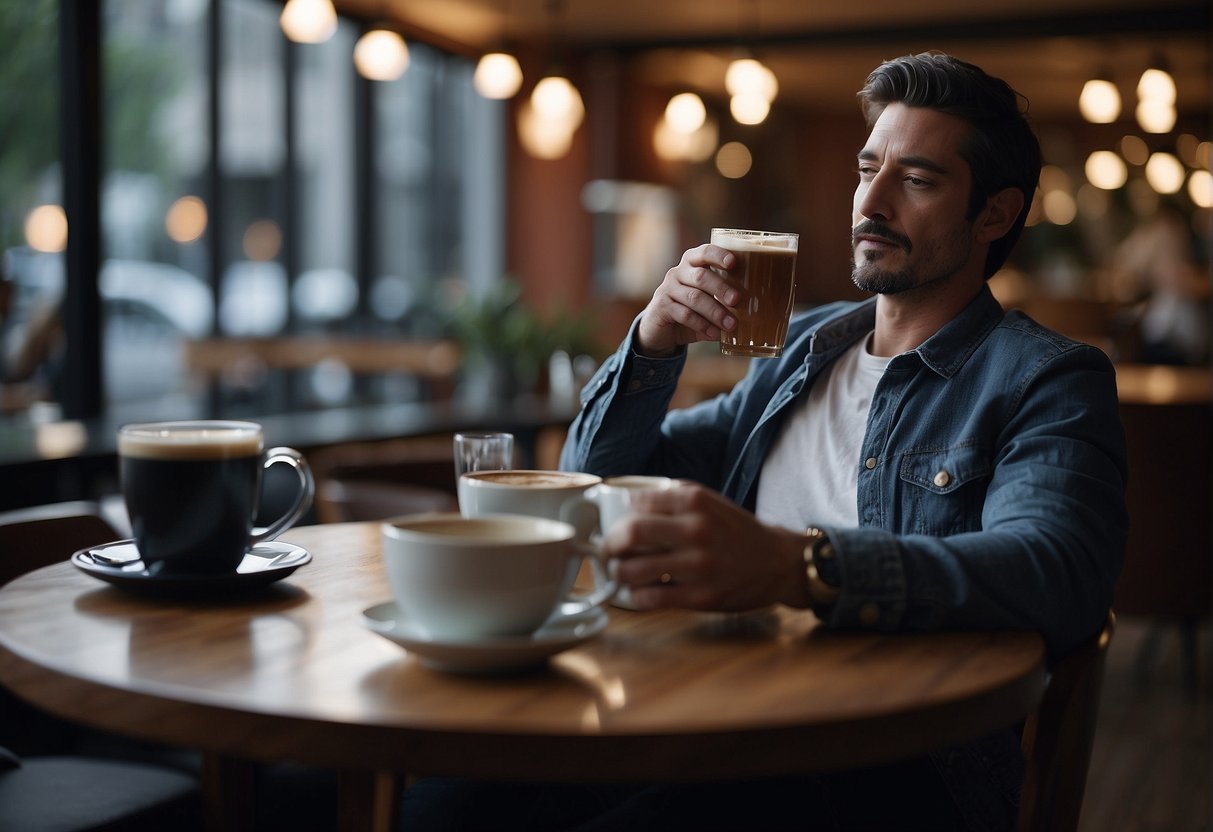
[[1157, 263]]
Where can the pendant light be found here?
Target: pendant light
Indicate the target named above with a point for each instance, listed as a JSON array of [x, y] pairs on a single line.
[[555, 109], [381, 55], [308, 21], [751, 85], [1099, 101], [498, 75], [1156, 96]]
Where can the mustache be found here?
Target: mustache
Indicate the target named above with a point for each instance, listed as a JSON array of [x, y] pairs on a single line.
[[875, 228]]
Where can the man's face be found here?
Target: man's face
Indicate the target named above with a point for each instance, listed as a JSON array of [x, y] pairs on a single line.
[[908, 226]]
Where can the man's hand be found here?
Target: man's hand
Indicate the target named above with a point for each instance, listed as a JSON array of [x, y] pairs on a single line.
[[691, 547], [685, 309]]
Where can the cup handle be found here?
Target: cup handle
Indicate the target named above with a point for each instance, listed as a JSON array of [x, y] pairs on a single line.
[[605, 583], [307, 490], [582, 514]]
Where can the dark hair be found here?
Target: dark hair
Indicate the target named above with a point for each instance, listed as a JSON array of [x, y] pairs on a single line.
[[1002, 151]]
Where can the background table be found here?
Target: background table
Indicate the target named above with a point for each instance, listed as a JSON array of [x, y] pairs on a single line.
[[672, 695]]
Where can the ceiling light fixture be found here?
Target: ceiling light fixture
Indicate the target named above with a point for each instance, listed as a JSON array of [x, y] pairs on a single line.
[[1165, 173], [1156, 84], [381, 55], [498, 75], [308, 21], [685, 112], [751, 85], [1105, 170], [1156, 96], [1155, 115], [1099, 101], [555, 109]]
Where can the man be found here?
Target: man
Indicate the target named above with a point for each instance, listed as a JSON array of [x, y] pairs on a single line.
[[957, 467]]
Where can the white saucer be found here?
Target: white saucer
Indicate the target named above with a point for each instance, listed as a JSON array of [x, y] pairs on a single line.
[[120, 564], [487, 655]]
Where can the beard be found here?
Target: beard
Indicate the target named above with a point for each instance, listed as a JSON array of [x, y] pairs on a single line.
[[938, 260], [869, 277]]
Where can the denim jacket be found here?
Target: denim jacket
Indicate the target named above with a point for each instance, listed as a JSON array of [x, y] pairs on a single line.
[[991, 480]]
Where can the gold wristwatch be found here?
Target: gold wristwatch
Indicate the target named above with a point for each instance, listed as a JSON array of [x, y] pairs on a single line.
[[817, 548]]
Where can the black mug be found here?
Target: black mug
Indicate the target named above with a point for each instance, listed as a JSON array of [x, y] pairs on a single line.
[[192, 491]]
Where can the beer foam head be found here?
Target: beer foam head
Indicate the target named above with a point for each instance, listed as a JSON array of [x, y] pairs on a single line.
[[736, 239], [190, 440]]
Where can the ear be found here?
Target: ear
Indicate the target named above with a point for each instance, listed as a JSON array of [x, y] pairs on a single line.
[[999, 214]]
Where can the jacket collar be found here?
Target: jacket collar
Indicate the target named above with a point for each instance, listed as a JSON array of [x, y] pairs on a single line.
[[945, 352]]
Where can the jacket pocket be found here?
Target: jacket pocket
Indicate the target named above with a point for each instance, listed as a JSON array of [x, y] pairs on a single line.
[[945, 489]]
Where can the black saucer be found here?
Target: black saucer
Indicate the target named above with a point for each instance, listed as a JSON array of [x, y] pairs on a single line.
[[119, 563]]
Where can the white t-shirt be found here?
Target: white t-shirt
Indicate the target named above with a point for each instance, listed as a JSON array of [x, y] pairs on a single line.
[[811, 474]]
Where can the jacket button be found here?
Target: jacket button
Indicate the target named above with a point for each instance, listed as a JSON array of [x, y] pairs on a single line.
[[869, 614], [942, 479], [869, 463]]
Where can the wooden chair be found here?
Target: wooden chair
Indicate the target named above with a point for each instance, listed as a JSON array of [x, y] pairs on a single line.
[[1168, 569], [374, 480], [1058, 737], [49, 785], [35, 537]]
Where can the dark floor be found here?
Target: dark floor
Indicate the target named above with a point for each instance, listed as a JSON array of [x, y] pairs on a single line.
[[1152, 767]]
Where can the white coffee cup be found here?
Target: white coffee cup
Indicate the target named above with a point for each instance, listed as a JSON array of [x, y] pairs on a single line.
[[551, 494], [466, 579], [613, 498]]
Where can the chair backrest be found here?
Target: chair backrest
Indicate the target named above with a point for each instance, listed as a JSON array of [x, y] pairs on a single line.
[[1058, 737], [374, 480], [36, 537]]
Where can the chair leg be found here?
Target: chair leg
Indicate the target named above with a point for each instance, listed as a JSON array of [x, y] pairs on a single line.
[[1146, 657], [1189, 639], [367, 800], [229, 791], [1147, 653]]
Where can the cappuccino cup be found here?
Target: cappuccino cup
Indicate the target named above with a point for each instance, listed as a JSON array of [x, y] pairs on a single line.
[[765, 276], [613, 500], [613, 496], [192, 490], [470, 578], [551, 494]]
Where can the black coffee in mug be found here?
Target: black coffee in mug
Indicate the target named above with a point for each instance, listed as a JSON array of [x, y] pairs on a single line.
[[192, 491]]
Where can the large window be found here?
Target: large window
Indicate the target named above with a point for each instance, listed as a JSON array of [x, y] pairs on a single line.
[[235, 204], [32, 225]]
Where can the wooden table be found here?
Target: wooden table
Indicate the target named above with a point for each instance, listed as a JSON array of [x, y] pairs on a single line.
[[672, 695]]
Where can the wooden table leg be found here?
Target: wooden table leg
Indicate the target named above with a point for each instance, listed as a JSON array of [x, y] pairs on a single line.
[[366, 800], [229, 786]]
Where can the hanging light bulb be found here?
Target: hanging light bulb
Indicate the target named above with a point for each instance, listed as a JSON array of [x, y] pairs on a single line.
[[543, 138], [497, 75], [381, 55], [748, 76], [556, 99], [1099, 101], [1165, 173], [308, 21], [1200, 188], [1156, 85], [1106, 170], [749, 108], [1155, 115], [685, 112], [696, 146]]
